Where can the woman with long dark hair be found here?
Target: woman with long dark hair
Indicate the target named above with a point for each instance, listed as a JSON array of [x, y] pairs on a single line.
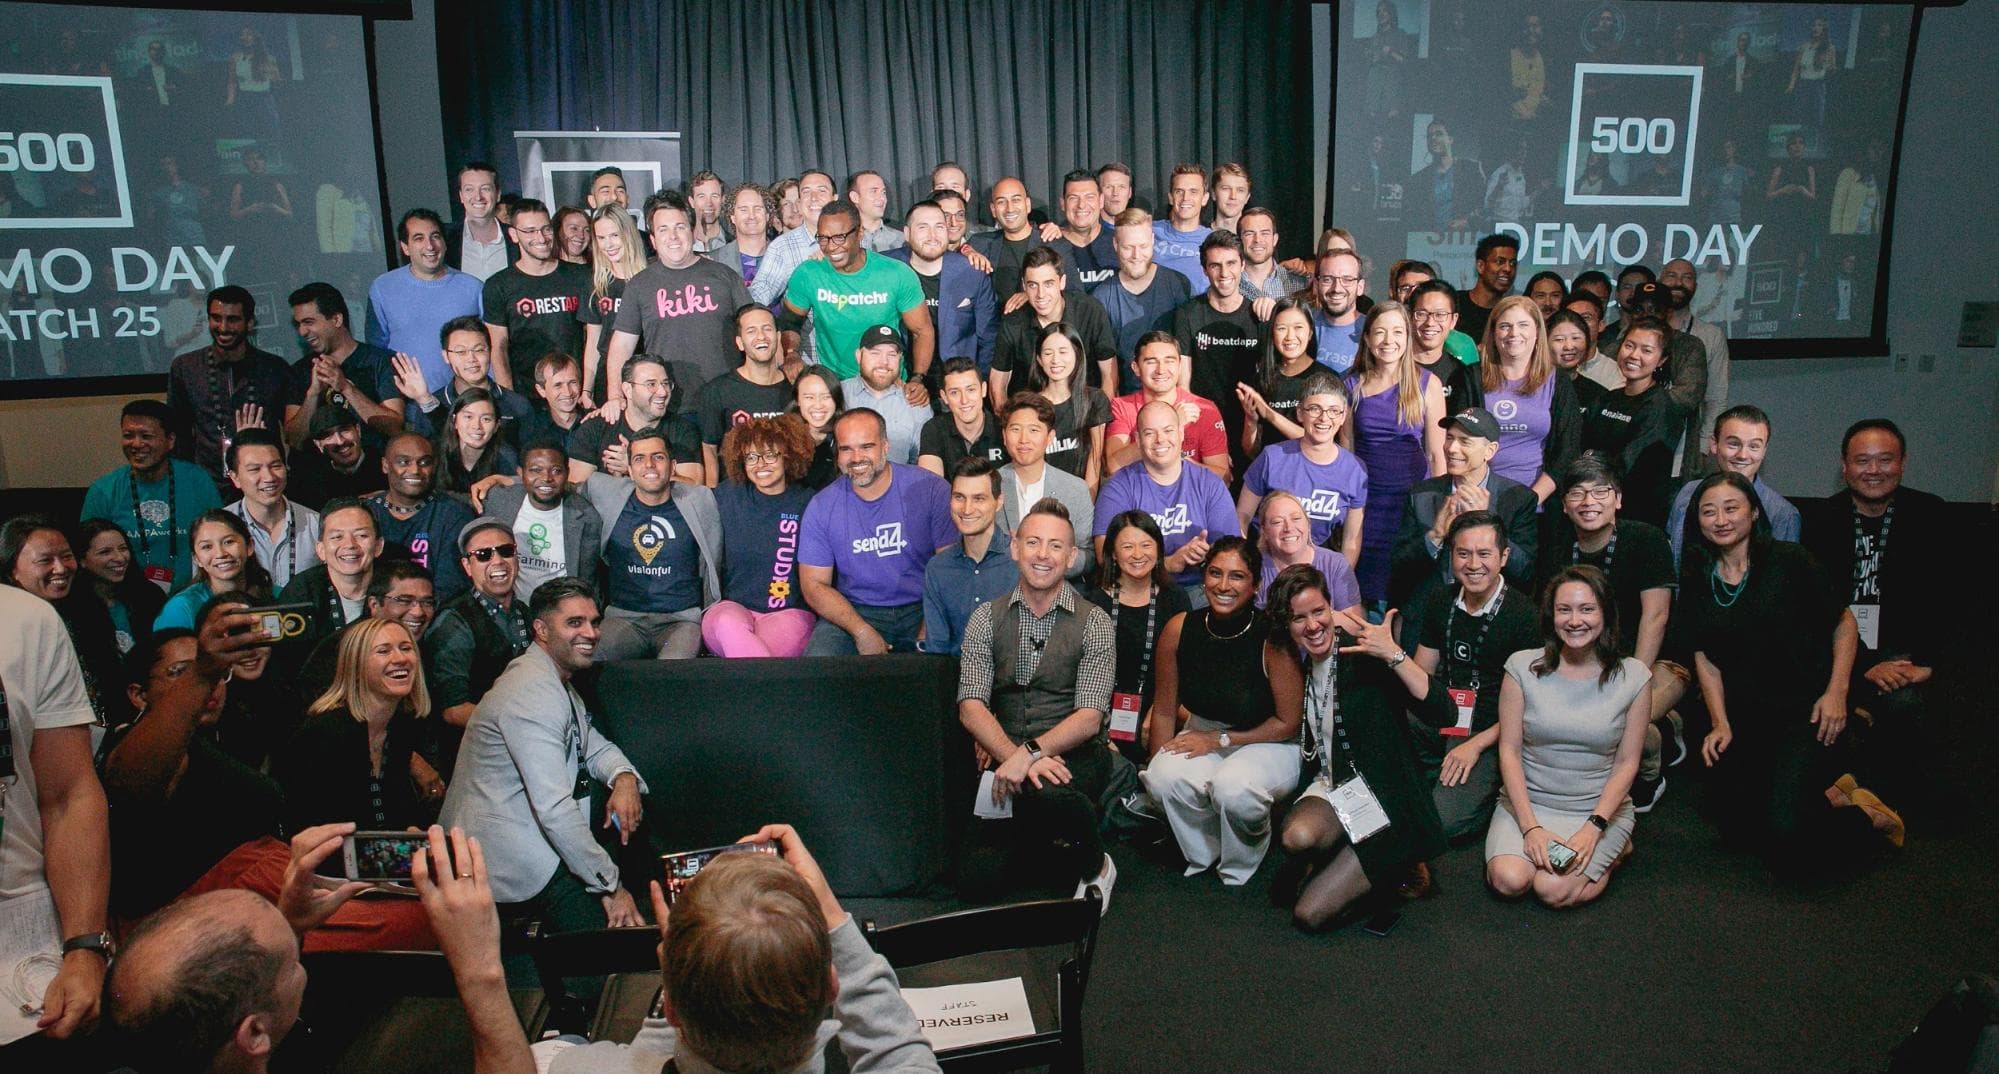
[[1290, 356], [1134, 586], [132, 602], [225, 561], [470, 449], [1061, 375], [1773, 652], [817, 399], [1572, 719]]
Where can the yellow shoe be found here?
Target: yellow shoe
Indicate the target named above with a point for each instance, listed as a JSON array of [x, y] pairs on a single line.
[[1847, 784], [1877, 810]]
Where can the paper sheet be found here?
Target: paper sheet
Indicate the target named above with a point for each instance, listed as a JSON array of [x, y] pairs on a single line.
[[27, 928], [980, 1012]]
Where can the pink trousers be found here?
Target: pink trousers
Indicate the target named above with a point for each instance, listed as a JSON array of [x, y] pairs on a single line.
[[731, 630]]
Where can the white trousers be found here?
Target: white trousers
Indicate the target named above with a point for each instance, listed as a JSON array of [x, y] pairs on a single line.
[[1218, 804]]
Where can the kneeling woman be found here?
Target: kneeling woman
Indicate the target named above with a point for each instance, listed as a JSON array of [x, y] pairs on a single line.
[[1225, 734], [1572, 719], [1355, 739]]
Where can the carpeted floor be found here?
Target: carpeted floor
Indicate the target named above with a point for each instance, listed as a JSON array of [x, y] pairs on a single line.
[[1695, 959]]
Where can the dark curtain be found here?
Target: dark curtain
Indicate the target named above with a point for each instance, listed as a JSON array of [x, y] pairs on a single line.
[[763, 90]]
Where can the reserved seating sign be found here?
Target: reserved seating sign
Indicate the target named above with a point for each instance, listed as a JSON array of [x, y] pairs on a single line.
[[979, 1012]]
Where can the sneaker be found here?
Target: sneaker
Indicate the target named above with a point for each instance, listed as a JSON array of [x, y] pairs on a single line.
[[1645, 793], [1673, 740], [1105, 879]]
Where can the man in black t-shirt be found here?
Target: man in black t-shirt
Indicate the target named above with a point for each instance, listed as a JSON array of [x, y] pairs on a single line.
[[755, 389], [334, 463], [965, 428], [338, 370], [530, 306], [1045, 282], [1085, 243], [1007, 248], [1219, 332], [1495, 261], [648, 389]]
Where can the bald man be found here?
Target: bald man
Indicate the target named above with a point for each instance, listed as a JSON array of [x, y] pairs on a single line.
[[1007, 246], [1188, 501], [211, 983]]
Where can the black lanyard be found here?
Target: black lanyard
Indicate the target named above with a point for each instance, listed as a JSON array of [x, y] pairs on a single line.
[[1145, 643], [139, 520], [1880, 552], [6, 747], [335, 607], [291, 534], [1609, 550], [224, 403], [1326, 708], [1470, 661]]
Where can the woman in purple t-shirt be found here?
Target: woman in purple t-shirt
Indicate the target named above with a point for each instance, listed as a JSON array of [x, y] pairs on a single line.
[[1539, 428], [1327, 479]]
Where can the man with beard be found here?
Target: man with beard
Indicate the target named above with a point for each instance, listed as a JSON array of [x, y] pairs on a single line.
[[1495, 261], [477, 635], [559, 533], [755, 389], [1678, 278], [334, 463], [865, 541], [530, 306], [338, 370], [412, 516], [662, 551], [1085, 243], [1262, 276], [1337, 287], [603, 442], [704, 196], [960, 298], [225, 386], [851, 290], [155, 497]]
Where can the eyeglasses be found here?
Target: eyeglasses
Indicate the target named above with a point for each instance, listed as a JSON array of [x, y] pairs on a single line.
[[467, 352], [504, 551], [1431, 316], [410, 602], [545, 229], [751, 458], [1341, 281], [1598, 493], [835, 240], [1316, 411]]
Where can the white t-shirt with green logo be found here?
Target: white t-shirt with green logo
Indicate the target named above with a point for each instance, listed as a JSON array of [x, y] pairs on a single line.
[[538, 534]]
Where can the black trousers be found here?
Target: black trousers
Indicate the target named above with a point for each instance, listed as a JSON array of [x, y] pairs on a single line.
[[1051, 841], [1772, 801]]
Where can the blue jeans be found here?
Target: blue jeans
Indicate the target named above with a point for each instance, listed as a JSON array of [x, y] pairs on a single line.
[[897, 625]]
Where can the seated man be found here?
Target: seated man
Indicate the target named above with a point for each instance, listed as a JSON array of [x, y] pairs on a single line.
[[965, 428], [759, 968], [1189, 502], [602, 443], [416, 519], [1028, 428], [1740, 443], [155, 497], [556, 529], [1418, 564], [904, 406], [975, 568], [349, 543], [335, 463], [283, 533], [397, 590], [1204, 438], [477, 635], [1888, 547], [1038, 711], [662, 552], [865, 541]]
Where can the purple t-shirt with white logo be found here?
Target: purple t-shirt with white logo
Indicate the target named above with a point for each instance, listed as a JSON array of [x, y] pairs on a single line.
[[1328, 491], [1524, 422], [878, 549], [1197, 501]]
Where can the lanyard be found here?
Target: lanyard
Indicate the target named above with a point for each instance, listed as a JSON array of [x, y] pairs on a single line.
[[6, 747], [1609, 550], [1470, 661], [1323, 709], [222, 402], [1880, 551], [335, 608], [290, 535], [139, 520], [1145, 644]]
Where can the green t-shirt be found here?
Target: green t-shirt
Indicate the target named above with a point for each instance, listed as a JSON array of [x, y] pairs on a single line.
[[845, 304]]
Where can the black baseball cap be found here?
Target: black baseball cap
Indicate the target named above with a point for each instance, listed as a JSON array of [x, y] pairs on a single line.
[[1475, 421], [878, 334]]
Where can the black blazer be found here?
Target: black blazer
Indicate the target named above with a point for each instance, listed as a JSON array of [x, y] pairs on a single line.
[[454, 234], [1913, 588]]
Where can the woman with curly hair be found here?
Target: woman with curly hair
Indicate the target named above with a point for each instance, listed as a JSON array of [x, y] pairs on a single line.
[[762, 611]]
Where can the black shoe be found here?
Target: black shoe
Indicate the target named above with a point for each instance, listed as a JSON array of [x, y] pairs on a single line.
[[1645, 793]]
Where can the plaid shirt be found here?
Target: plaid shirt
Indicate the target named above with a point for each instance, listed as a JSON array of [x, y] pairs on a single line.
[[1095, 672]]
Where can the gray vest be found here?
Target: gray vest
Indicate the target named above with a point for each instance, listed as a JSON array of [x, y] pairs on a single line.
[[1050, 696]]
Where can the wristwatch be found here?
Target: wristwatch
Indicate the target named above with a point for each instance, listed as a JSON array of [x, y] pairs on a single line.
[[99, 942], [1225, 743], [1602, 825], [1398, 658], [1033, 748]]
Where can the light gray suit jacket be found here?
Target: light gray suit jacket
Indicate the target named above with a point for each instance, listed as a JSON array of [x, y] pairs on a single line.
[[582, 531], [516, 774], [1065, 487], [697, 504]]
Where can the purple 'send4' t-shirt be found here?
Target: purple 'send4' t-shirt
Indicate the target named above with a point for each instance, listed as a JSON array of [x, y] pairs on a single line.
[[878, 549], [1328, 492], [1196, 501]]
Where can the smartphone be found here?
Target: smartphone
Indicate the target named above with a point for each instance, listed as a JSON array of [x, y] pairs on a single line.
[[377, 857], [1560, 855], [1382, 923], [282, 622], [682, 868]]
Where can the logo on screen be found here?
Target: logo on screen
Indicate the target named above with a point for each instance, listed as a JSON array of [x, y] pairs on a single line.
[[1632, 131], [64, 131]]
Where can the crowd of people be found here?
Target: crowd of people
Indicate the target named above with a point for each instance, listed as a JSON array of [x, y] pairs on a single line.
[[1225, 549]]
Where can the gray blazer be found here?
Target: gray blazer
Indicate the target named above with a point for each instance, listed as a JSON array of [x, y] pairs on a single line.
[[696, 502], [1065, 487], [582, 531], [516, 774]]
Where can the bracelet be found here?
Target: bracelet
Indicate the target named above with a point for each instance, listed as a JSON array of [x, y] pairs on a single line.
[[1523, 835]]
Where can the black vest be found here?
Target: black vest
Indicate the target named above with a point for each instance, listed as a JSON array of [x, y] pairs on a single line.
[[1050, 696], [492, 648]]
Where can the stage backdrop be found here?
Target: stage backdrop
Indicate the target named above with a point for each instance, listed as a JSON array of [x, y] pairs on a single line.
[[762, 89]]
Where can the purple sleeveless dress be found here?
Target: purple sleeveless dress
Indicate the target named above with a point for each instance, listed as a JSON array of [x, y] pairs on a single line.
[[1393, 454]]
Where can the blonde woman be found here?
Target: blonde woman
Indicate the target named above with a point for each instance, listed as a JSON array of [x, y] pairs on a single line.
[[354, 758], [1396, 408], [1540, 424], [616, 255]]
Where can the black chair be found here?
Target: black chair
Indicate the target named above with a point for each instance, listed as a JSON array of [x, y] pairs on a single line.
[[998, 942], [379, 1011], [628, 960]]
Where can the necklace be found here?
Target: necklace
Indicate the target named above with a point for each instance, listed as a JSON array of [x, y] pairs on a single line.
[[1725, 595], [1208, 624]]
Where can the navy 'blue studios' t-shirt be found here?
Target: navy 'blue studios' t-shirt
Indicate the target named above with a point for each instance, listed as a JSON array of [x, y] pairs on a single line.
[[760, 560]]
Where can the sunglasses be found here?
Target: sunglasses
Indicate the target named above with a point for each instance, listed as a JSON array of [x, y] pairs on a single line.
[[504, 551]]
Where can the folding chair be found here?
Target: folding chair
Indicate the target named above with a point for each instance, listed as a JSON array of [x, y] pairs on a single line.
[[628, 959]]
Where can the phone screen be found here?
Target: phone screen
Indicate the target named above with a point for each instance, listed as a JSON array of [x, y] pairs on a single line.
[[682, 868], [1560, 855], [385, 855]]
